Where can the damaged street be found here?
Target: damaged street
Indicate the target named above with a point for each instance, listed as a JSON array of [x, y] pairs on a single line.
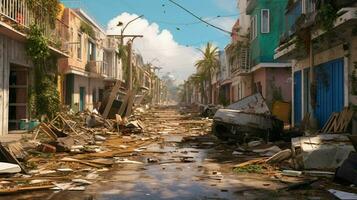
[[178, 99], [171, 155]]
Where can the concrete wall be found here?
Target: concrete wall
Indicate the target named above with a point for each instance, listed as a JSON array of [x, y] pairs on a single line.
[[241, 87], [89, 84], [11, 51], [244, 19], [279, 78], [260, 76]]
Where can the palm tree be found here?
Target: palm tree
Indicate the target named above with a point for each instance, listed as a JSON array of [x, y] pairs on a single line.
[[207, 66]]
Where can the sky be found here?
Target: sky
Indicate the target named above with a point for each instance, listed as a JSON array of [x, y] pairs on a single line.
[[171, 36]]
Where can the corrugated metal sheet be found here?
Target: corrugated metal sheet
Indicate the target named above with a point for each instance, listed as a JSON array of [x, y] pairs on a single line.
[[330, 89], [297, 98]]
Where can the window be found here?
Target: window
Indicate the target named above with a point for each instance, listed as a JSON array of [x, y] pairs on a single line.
[[265, 21], [91, 51], [79, 46], [253, 25]]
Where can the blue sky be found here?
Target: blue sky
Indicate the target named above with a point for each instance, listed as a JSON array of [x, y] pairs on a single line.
[[173, 23]]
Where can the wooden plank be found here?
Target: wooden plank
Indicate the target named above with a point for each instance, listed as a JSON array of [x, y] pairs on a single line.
[[340, 121], [43, 127], [347, 121], [328, 123], [331, 127], [81, 162], [23, 189], [129, 108], [251, 162], [65, 121], [124, 104], [112, 96]]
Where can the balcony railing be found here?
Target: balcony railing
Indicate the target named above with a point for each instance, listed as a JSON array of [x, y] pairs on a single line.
[[17, 14], [242, 65], [98, 68]]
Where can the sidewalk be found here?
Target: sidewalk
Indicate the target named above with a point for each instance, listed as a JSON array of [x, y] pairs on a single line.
[[14, 137]]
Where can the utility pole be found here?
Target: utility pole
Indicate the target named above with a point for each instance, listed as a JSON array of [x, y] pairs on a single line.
[[115, 90]]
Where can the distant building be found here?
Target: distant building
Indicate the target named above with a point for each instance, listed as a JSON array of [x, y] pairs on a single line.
[[93, 62]]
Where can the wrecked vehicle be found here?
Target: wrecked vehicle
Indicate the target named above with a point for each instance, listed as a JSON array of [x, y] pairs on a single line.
[[247, 119], [210, 110]]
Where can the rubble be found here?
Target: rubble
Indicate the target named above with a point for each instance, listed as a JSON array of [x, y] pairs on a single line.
[[343, 195], [326, 151], [71, 149]]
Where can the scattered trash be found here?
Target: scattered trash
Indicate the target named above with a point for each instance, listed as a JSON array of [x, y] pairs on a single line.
[[127, 161], [254, 143], [343, 195], [291, 173], [280, 156], [99, 138], [269, 151], [8, 168]]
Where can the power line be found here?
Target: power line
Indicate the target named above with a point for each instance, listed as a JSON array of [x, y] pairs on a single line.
[[196, 22], [199, 18]]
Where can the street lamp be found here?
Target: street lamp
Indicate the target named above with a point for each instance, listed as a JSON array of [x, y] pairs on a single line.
[[127, 24], [130, 84]]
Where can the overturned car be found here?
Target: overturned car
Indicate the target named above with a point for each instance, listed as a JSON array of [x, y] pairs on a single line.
[[247, 119]]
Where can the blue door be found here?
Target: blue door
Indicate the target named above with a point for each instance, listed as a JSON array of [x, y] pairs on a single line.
[[297, 98], [330, 89]]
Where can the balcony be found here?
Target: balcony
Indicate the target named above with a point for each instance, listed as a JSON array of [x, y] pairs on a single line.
[[289, 50], [111, 44], [16, 17], [242, 65], [97, 69]]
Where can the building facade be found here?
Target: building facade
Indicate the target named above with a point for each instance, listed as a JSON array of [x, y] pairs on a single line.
[[93, 62], [324, 58], [16, 68], [270, 77]]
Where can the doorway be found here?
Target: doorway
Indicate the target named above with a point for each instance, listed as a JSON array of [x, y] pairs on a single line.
[[18, 96], [82, 94]]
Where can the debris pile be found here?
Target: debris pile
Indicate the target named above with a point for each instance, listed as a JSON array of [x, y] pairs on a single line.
[[69, 151], [330, 152]]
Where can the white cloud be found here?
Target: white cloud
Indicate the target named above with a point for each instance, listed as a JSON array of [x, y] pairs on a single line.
[[225, 23], [158, 45], [228, 5]]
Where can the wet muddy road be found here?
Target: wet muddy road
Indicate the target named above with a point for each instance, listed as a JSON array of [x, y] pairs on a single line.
[[185, 163]]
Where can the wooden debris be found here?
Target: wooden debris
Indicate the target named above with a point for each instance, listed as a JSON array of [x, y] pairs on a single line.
[[251, 162], [24, 189], [82, 162], [7, 156], [338, 122]]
